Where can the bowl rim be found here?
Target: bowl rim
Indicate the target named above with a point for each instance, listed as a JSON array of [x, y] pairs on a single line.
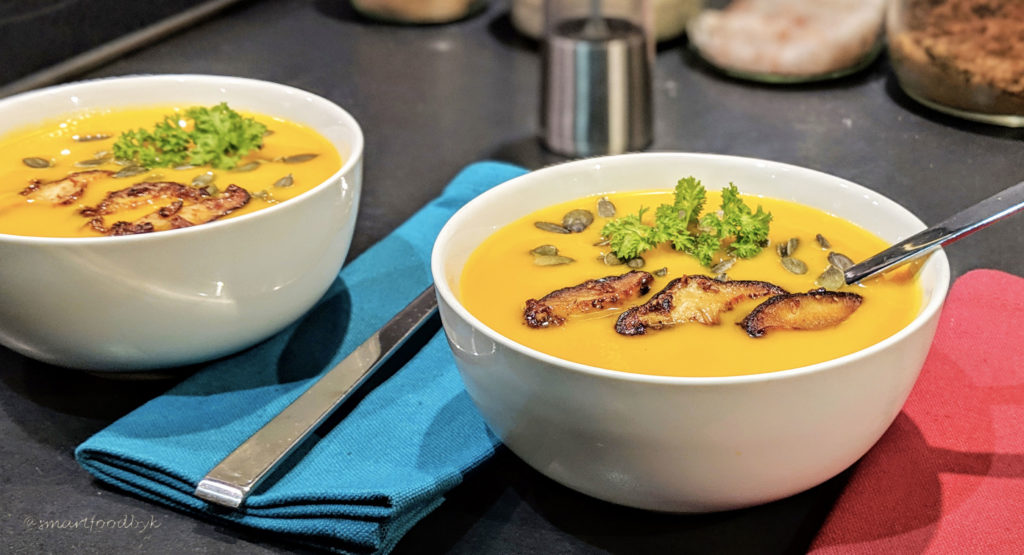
[[342, 115], [937, 259]]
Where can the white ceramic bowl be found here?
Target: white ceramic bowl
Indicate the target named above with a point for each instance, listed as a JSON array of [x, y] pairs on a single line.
[[178, 297], [682, 444]]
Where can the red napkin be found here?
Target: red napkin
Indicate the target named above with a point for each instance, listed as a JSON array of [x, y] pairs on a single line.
[[948, 475]]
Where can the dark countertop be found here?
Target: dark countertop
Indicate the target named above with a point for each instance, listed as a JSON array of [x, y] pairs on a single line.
[[432, 99], [42, 33]]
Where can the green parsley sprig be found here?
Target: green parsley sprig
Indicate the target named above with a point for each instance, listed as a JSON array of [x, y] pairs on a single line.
[[743, 230], [220, 137], [629, 237]]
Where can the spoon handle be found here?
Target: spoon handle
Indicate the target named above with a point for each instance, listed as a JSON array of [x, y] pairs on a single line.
[[234, 478], [957, 226]]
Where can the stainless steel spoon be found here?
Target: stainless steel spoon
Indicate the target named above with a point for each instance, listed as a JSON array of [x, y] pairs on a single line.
[[234, 478], [959, 225]]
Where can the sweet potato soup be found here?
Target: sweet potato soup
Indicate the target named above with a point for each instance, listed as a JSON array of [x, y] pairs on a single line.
[[503, 274], [62, 178]]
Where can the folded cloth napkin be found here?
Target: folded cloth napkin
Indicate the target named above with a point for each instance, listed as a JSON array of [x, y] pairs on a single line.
[[948, 475], [376, 472]]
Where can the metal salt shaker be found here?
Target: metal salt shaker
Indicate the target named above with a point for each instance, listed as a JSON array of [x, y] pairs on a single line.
[[597, 64]]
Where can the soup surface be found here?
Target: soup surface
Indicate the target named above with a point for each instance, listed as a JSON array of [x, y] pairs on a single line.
[[501, 275], [281, 169]]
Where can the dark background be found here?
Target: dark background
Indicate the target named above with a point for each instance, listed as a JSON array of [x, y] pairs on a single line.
[[35, 34]]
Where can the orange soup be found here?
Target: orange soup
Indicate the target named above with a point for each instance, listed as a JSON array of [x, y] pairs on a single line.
[[500, 276], [292, 160]]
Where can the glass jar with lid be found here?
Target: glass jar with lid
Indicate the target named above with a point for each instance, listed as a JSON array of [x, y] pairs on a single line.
[[789, 41], [962, 57]]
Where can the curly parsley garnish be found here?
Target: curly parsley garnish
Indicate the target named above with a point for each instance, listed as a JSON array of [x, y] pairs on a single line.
[[629, 237], [748, 229], [680, 223], [219, 137]]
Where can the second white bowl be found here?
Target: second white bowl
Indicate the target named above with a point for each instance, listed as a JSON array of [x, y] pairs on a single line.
[[182, 296]]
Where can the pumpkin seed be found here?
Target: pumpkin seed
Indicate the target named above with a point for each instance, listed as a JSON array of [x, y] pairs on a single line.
[[211, 189], [551, 260], [262, 195], [661, 272], [286, 181], [102, 154], [297, 158], [635, 263], [203, 179], [723, 266], [248, 167], [840, 261], [831, 279], [603, 242], [611, 260], [90, 137], [36, 162], [91, 162], [180, 167], [605, 208], [548, 226], [722, 277], [129, 171], [577, 220], [123, 162], [823, 242], [787, 248], [794, 265], [268, 132], [545, 250]]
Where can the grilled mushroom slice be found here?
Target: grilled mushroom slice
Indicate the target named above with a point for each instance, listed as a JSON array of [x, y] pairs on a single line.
[[141, 194], [178, 214], [590, 296], [693, 298], [65, 190], [813, 310]]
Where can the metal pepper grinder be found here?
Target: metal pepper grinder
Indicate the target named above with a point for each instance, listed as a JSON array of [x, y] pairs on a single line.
[[596, 83]]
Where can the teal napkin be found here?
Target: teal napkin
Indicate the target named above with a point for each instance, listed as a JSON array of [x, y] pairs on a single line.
[[380, 469]]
